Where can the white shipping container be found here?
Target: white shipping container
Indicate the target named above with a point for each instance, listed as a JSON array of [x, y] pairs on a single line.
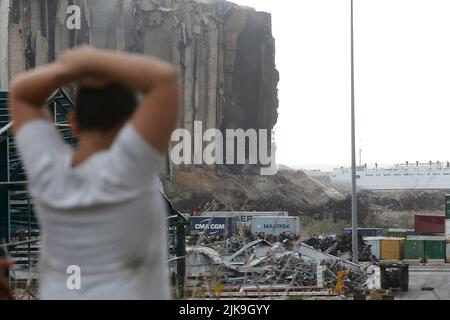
[[447, 251], [275, 225], [245, 218], [447, 228], [375, 245]]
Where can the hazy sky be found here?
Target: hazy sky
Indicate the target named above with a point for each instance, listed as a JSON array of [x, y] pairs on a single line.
[[402, 80]]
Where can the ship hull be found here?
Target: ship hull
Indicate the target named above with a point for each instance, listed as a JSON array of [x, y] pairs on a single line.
[[390, 179]]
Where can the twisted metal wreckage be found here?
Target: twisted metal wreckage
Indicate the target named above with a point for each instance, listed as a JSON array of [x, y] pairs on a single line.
[[287, 268]]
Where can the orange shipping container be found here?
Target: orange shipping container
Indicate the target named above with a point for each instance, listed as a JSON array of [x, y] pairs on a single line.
[[392, 248]]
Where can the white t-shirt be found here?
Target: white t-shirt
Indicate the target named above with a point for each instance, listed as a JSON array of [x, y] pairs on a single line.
[[105, 216]]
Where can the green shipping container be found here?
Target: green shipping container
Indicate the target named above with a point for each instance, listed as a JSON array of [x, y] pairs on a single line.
[[398, 233], [415, 248], [425, 248], [435, 248]]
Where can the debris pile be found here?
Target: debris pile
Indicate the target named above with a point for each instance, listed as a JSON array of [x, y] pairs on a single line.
[[341, 246], [281, 265], [355, 281]]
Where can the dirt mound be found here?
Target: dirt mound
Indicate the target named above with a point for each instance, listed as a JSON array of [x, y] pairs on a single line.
[[291, 191]]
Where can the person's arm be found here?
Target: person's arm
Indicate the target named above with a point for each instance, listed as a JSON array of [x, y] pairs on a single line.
[[156, 116], [30, 90]]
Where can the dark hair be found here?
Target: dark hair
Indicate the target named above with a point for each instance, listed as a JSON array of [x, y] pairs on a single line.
[[104, 108]]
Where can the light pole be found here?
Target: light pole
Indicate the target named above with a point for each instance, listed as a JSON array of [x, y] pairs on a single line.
[[354, 198]]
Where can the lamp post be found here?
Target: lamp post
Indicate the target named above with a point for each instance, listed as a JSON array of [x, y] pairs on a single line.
[[354, 196]]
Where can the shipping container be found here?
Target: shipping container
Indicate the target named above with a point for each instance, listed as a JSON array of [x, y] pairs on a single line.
[[392, 248], [447, 251], [429, 224], [447, 228], [212, 226], [275, 225], [375, 245], [415, 248], [399, 233], [425, 248], [364, 232], [447, 206], [434, 248], [245, 218]]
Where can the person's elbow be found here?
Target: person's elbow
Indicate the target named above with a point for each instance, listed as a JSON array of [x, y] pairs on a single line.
[[16, 87], [16, 104], [19, 106], [19, 87]]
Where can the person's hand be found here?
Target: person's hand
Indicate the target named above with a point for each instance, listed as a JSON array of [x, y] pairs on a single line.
[[92, 82], [76, 62], [5, 292]]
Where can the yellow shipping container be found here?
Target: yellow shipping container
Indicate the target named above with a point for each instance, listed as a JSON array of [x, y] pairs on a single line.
[[392, 248]]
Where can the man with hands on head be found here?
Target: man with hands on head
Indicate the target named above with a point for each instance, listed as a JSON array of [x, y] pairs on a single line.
[[99, 205]]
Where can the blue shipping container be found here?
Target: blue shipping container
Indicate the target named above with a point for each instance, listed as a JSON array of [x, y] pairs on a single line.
[[364, 232], [212, 226]]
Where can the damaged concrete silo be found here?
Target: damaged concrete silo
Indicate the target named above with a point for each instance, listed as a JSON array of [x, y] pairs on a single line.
[[226, 52]]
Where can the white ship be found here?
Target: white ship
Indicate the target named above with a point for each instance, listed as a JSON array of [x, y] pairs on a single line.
[[432, 175]]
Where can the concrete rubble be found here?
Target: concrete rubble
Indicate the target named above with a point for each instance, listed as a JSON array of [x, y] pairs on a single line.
[[275, 266]]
